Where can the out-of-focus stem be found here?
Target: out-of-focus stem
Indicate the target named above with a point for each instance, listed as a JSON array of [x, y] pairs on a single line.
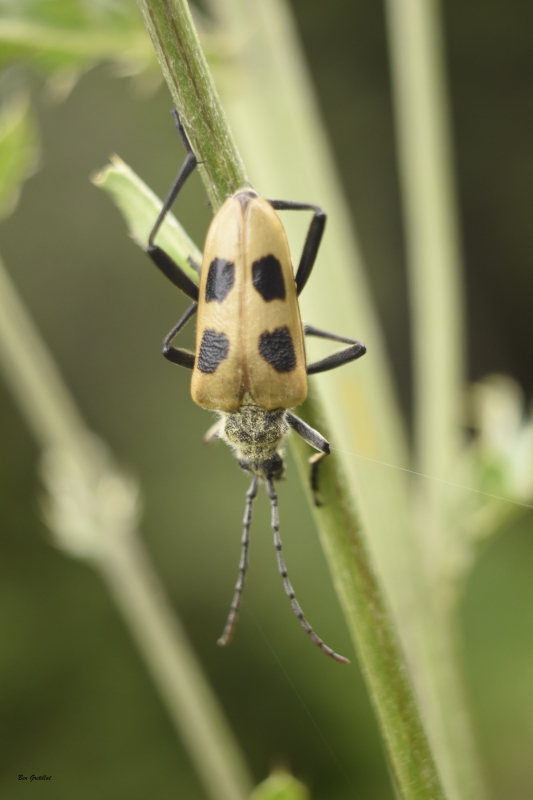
[[433, 249], [438, 341], [35, 380], [92, 511], [161, 639]]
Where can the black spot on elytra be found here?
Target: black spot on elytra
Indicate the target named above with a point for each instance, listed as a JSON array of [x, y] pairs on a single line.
[[213, 350], [220, 280], [267, 278], [277, 348]]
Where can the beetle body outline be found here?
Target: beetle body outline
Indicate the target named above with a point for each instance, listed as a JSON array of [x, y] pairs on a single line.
[[247, 259], [249, 364]]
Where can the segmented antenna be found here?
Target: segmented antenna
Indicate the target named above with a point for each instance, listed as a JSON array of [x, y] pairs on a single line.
[[286, 583], [243, 564]]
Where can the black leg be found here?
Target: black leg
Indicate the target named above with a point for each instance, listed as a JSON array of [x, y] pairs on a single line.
[[340, 357], [312, 241], [184, 358], [193, 264], [316, 440], [161, 259]]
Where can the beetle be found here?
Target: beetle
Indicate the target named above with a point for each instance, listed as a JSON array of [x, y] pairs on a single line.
[[249, 364]]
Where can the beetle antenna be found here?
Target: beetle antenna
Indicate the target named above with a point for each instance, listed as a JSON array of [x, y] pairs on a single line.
[[243, 565], [286, 583]]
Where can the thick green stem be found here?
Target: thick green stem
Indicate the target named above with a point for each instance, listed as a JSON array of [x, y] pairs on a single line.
[[371, 627], [185, 69]]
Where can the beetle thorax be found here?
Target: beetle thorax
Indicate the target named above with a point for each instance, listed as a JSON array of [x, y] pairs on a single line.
[[256, 436]]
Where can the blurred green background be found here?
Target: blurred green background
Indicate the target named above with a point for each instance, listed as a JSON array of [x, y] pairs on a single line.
[[75, 701]]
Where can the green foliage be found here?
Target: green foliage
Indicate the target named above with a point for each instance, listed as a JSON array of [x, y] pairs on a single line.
[[18, 148], [497, 463], [280, 785], [66, 37], [140, 208]]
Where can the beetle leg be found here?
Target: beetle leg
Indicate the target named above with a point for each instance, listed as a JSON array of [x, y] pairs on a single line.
[[316, 440], [312, 240], [193, 264], [160, 257], [214, 432], [340, 357], [178, 355]]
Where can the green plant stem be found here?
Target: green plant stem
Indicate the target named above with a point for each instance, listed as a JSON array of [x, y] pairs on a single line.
[[192, 705], [371, 627], [433, 254], [383, 660], [185, 69], [35, 381], [118, 553]]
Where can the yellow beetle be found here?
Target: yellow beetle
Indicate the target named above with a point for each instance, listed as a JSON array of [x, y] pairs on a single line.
[[249, 364]]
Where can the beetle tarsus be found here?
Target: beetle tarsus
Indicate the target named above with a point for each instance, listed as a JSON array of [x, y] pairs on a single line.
[[178, 355], [316, 440]]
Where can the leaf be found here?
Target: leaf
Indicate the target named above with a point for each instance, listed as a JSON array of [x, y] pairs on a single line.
[[280, 786], [501, 453], [140, 207], [18, 149], [65, 37]]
